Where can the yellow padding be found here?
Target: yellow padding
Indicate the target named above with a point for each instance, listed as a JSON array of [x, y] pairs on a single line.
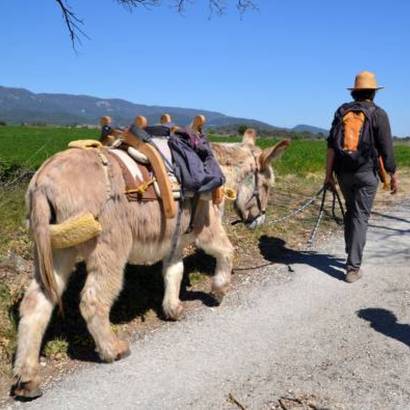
[[84, 144], [74, 231]]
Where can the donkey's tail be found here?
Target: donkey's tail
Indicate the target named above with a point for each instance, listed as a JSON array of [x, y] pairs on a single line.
[[40, 216]]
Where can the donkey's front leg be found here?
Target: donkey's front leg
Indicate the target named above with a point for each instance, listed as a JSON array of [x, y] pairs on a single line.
[[214, 241], [172, 272]]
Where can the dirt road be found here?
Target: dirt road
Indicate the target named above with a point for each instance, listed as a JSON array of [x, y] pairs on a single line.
[[299, 332]]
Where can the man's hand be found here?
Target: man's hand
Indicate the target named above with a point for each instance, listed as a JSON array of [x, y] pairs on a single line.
[[394, 183], [330, 182]]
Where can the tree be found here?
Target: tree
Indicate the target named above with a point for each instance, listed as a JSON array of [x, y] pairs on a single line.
[[242, 128], [75, 24]]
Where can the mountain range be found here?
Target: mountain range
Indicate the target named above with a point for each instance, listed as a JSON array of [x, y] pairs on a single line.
[[18, 105]]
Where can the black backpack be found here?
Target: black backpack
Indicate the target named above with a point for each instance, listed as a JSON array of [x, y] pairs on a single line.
[[353, 151], [195, 164]]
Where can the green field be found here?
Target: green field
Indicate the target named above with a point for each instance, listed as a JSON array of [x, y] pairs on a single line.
[[28, 147]]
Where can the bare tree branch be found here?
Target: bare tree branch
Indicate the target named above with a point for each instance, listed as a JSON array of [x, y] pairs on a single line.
[[217, 6], [131, 4], [72, 22], [245, 5], [75, 24]]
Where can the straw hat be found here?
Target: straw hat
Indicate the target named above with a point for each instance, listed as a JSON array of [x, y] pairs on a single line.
[[365, 81], [105, 120]]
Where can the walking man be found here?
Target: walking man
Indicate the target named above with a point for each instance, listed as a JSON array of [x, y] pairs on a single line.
[[359, 147]]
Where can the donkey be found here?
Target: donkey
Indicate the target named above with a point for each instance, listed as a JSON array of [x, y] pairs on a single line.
[[73, 182]]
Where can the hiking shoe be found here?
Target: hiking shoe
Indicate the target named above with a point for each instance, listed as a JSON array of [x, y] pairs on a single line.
[[353, 275]]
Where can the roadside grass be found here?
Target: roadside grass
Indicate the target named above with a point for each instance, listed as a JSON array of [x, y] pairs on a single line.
[[23, 149], [7, 327], [13, 232]]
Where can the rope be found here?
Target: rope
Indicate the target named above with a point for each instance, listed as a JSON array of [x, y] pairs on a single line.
[[300, 209], [339, 221], [342, 210], [319, 219], [142, 188]]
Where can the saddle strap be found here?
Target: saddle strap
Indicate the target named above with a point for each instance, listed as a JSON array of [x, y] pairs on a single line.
[[132, 184]]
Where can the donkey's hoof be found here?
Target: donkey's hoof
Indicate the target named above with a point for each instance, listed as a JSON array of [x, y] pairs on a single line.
[[25, 391], [123, 355], [218, 295], [173, 312], [119, 349], [123, 350]]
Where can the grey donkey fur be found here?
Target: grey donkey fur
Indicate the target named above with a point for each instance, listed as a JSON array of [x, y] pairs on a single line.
[[73, 182]]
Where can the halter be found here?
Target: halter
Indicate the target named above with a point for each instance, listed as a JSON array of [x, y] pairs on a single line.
[[255, 193]]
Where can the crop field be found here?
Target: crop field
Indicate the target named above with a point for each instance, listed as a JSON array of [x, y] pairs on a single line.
[[22, 150], [28, 147]]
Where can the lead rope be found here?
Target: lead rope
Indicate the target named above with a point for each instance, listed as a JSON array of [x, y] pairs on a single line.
[[319, 219], [342, 210], [339, 221], [300, 209]]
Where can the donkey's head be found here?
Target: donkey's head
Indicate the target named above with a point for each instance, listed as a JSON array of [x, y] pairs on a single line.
[[249, 173]]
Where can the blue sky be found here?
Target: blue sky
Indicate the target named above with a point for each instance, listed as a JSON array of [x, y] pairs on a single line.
[[287, 63]]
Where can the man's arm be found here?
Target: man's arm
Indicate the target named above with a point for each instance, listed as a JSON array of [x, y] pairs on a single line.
[[330, 161], [384, 141], [330, 157], [384, 145]]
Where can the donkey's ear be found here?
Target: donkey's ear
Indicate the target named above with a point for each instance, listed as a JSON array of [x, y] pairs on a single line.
[[269, 154], [249, 137]]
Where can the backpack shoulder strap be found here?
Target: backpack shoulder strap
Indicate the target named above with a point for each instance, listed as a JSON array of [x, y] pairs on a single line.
[[369, 111], [341, 111], [372, 109]]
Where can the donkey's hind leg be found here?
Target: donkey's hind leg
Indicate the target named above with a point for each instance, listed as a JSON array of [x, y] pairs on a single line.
[[214, 241], [35, 312], [105, 267]]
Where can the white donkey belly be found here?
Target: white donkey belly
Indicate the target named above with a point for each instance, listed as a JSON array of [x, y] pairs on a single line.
[[148, 253]]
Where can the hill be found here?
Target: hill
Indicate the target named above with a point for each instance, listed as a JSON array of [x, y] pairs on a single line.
[[19, 105], [310, 129]]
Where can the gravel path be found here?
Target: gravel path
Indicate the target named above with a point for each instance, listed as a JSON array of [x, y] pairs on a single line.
[[306, 334]]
